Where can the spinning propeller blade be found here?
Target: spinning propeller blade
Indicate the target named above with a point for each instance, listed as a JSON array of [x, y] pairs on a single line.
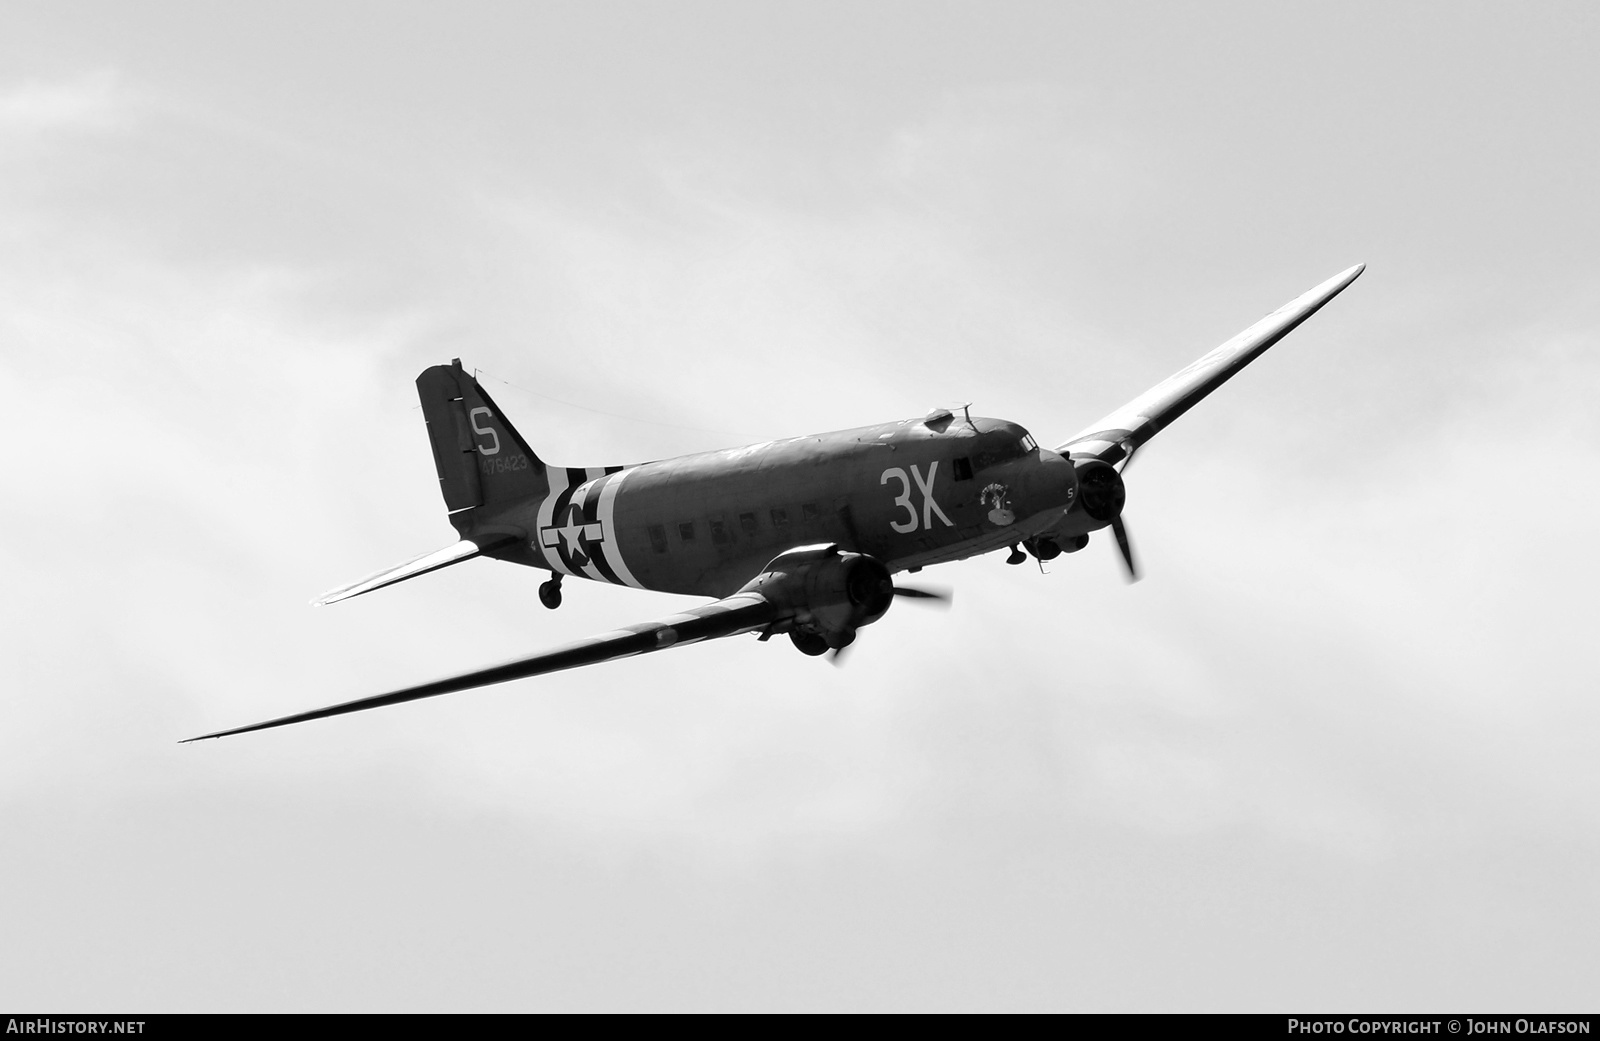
[[1120, 530], [938, 598], [943, 597]]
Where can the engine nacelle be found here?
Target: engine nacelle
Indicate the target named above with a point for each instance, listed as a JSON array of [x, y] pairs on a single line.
[[1101, 493], [826, 590]]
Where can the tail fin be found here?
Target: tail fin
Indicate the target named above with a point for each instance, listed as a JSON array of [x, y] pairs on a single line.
[[481, 459]]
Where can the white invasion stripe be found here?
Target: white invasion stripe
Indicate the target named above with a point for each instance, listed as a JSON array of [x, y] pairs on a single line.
[[547, 509], [711, 610], [590, 569], [607, 515], [1097, 447]]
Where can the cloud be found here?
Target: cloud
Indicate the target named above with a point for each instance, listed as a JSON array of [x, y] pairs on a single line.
[[1346, 675], [91, 102]]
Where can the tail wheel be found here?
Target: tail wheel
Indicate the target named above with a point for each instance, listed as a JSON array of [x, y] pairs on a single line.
[[550, 593]]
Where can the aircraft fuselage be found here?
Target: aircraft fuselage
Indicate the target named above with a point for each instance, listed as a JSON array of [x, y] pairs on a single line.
[[909, 493]]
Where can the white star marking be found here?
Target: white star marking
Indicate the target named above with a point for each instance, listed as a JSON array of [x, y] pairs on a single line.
[[570, 532]]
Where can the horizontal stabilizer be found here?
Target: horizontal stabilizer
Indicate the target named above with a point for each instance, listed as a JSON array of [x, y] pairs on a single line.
[[462, 550]]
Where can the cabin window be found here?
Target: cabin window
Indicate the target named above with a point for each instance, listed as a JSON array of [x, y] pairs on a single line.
[[808, 513], [747, 521], [963, 469], [720, 534], [686, 531], [658, 538], [780, 519]]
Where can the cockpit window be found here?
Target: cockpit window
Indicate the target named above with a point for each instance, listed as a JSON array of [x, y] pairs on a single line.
[[1003, 453]]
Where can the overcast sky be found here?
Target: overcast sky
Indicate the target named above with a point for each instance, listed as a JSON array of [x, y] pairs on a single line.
[[1337, 750]]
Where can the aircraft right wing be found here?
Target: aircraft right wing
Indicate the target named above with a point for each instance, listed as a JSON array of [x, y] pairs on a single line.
[[1115, 437], [827, 590], [742, 612]]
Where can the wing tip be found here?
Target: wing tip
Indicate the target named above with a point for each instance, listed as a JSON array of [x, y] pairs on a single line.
[[1309, 302], [219, 733]]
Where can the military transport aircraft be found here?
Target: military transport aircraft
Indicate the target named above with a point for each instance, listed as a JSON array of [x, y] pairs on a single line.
[[797, 537]]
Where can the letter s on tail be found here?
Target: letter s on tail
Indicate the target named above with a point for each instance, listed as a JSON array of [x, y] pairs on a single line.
[[480, 457]]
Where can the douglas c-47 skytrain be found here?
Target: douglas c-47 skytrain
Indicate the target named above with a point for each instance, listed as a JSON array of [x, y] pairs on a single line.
[[797, 538]]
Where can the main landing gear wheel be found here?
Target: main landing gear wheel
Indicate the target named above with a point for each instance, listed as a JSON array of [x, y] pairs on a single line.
[[550, 593], [811, 644]]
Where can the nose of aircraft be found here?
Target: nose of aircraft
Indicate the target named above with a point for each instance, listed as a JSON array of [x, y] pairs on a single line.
[[1049, 482]]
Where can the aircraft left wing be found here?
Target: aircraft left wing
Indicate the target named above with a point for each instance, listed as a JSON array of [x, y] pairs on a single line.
[[1115, 437], [742, 612]]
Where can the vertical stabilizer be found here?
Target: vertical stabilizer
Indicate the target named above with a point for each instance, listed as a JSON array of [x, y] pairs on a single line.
[[480, 457]]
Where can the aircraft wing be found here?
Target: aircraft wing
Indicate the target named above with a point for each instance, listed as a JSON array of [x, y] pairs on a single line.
[[1115, 437], [742, 612]]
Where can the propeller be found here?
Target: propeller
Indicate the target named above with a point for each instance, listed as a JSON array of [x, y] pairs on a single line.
[[938, 598], [1120, 530], [942, 597]]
